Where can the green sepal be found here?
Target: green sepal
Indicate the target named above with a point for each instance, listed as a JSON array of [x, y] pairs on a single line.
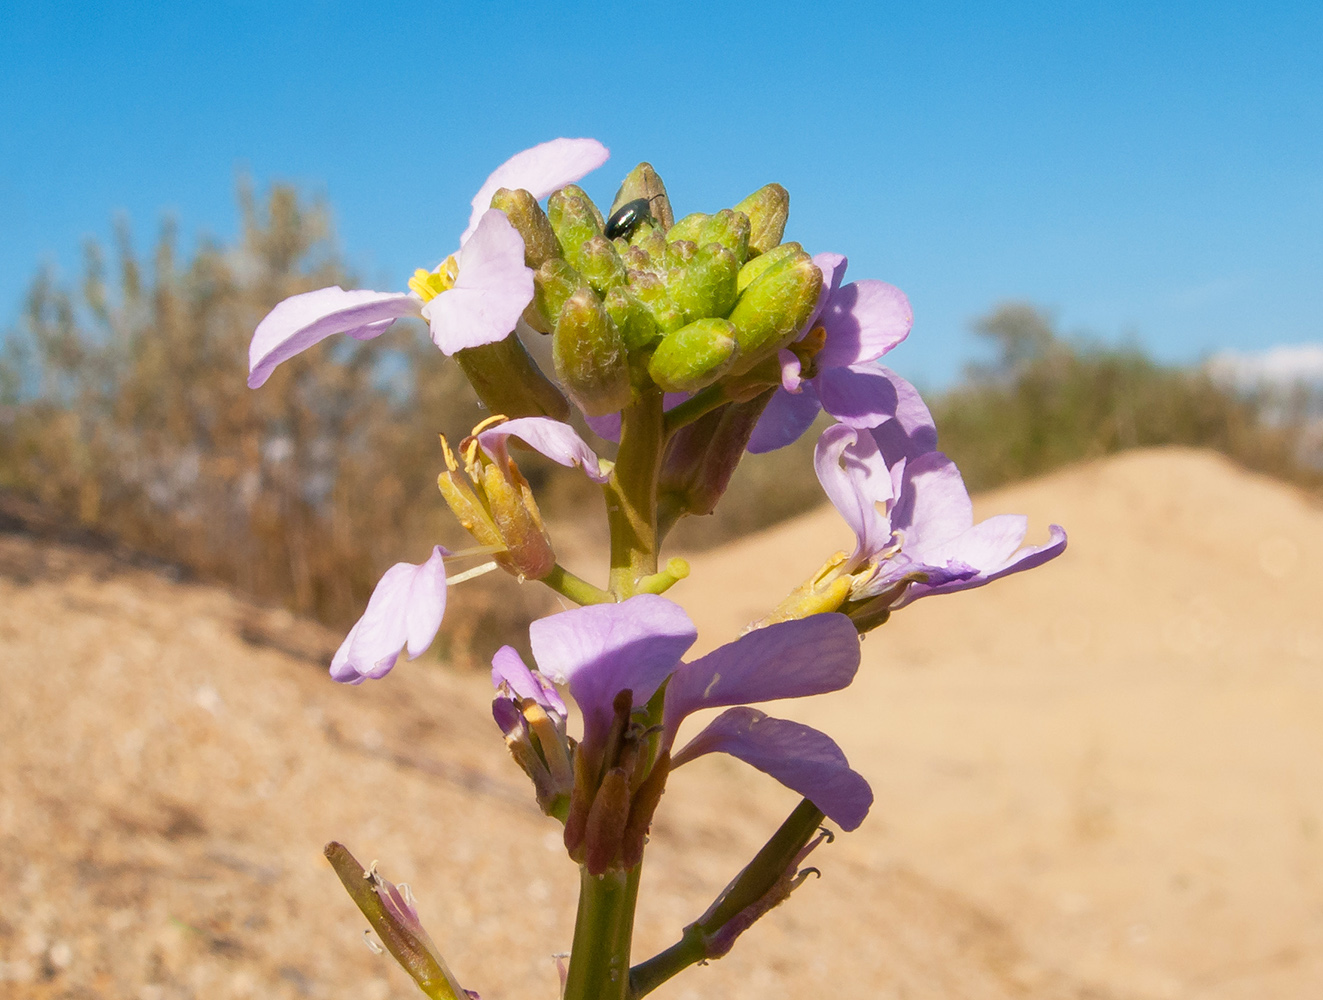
[[706, 285], [678, 255], [729, 228], [760, 264], [600, 263], [589, 354], [574, 191], [694, 356], [773, 308], [531, 223], [508, 380], [643, 182], [636, 324], [651, 291], [689, 227], [767, 209]]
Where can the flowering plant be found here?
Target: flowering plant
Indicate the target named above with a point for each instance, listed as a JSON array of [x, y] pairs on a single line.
[[689, 342]]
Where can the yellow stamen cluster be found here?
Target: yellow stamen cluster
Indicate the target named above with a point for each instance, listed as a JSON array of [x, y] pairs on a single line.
[[427, 285], [807, 348]]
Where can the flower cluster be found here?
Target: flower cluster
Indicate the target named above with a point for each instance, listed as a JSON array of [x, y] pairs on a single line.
[[690, 343]]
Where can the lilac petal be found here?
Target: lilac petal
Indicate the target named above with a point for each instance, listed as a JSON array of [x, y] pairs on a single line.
[[791, 659], [310, 317], [603, 649], [785, 420], [863, 320], [541, 170], [491, 289], [832, 266], [791, 370], [798, 756], [508, 717], [855, 479], [1026, 558], [405, 610], [861, 396], [911, 431], [508, 668], [557, 441], [933, 508]]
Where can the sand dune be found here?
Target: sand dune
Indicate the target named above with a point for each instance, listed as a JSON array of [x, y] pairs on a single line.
[[1103, 779]]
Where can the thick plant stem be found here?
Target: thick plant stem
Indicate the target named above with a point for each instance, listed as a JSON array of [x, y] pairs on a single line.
[[631, 495], [603, 931], [580, 591], [702, 939]]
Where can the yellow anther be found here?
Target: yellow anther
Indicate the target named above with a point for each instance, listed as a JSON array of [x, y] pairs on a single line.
[[807, 348], [427, 285], [490, 422], [449, 455]]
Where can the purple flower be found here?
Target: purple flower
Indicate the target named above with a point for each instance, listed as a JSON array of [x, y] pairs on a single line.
[[473, 297], [404, 611], [602, 650], [557, 441], [829, 367], [912, 517]]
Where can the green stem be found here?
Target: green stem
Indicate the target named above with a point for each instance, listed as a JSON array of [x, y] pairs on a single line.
[[578, 590], [756, 880], [603, 932], [631, 494], [694, 407]]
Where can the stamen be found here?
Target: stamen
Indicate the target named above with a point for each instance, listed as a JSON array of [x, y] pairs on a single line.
[[473, 573], [367, 940], [427, 285]]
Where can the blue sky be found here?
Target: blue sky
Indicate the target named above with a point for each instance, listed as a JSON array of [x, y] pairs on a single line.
[[1152, 171]]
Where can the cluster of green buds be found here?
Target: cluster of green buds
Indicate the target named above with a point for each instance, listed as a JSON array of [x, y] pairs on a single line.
[[635, 299]]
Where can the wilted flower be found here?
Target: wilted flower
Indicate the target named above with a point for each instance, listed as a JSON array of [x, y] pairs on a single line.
[[493, 500], [829, 367], [474, 297]]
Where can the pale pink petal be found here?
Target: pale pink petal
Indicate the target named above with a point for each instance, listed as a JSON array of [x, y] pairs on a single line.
[[800, 757], [911, 432], [509, 668], [491, 289], [310, 317], [860, 396], [540, 171], [557, 441], [405, 610]]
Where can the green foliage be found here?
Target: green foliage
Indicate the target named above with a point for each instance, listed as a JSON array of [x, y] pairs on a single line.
[[1046, 401]]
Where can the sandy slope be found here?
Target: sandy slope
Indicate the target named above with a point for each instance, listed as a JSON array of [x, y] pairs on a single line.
[[1104, 779]]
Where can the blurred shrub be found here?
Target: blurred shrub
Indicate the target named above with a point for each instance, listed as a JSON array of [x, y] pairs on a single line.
[[1046, 401], [128, 411]]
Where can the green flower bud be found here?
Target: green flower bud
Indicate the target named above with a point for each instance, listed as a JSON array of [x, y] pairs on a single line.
[[636, 324], [654, 246], [599, 262], [694, 356], [730, 229], [636, 259], [526, 215], [651, 291], [574, 220], [508, 380], [554, 282], [645, 230], [678, 255], [589, 354], [773, 308], [767, 209], [758, 265], [574, 191], [688, 228], [706, 287], [643, 182]]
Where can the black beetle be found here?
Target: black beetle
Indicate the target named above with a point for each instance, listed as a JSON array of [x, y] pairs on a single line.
[[625, 219]]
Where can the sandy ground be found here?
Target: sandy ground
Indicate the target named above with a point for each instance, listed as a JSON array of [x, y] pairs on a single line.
[[1100, 780]]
